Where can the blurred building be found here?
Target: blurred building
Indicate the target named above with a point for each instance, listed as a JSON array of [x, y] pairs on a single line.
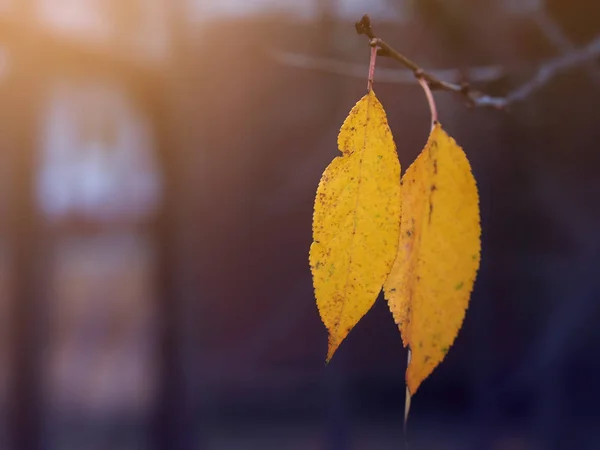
[[82, 212]]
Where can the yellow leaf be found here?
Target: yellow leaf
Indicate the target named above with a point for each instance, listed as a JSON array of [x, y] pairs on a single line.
[[356, 221], [429, 286]]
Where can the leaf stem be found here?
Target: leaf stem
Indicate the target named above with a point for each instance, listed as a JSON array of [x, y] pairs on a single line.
[[372, 68], [432, 107], [406, 406]]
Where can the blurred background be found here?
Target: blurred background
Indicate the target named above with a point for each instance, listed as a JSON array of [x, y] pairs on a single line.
[[158, 166]]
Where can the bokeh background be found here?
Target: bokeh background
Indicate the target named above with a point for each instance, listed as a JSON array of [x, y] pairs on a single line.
[[158, 164]]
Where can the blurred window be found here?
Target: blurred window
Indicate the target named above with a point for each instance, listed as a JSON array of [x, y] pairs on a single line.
[[99, 188], [100, 372], [97, 157]]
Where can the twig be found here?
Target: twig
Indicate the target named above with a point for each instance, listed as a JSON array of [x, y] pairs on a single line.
[[477, 74], [548, 71], [544, 74], [560, 40]]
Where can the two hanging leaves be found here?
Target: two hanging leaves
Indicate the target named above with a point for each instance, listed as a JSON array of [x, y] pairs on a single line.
[[417, 237]]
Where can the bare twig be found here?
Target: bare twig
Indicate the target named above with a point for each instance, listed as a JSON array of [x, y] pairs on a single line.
[[543, 75], [560, 40], [478, 74]]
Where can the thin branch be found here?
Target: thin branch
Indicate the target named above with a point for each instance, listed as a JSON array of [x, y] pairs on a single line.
[[561, 41], [544, 74], [482, 74], [554, 67]]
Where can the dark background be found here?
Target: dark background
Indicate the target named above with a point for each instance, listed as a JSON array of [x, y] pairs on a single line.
[[191, 323]]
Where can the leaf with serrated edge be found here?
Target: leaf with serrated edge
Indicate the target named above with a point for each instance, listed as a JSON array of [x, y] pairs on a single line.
[[356, 220], [429, 286]]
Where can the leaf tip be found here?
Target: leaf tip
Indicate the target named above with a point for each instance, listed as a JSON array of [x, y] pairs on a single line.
[[332, 346], [412, 384]]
